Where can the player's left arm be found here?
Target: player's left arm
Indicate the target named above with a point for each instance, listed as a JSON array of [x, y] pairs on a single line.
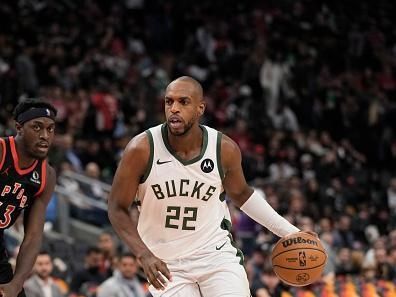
[[252, 202], [34, 219], [234, 181]]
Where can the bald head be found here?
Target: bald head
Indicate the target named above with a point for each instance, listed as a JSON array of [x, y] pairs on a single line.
[[197, 88], [184, 105]]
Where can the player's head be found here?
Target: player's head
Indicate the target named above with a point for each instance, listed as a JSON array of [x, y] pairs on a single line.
[[184, 104], [35, 125], [43, 266]]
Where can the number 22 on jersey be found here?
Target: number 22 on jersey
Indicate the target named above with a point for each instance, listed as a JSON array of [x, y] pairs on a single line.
[[175, 220]]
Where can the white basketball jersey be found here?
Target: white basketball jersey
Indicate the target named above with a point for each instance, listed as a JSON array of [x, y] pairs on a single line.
[[182, 202]]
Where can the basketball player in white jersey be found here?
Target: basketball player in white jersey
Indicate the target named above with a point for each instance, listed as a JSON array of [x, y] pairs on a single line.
[[179, 172]]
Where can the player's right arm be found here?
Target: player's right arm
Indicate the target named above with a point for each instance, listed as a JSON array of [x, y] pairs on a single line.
[[123, 191]]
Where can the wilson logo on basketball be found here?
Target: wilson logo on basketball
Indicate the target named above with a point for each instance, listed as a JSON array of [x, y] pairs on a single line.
[[297, 240]]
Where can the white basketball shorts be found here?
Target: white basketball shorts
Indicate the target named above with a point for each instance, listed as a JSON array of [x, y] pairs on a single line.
[[208, 273]]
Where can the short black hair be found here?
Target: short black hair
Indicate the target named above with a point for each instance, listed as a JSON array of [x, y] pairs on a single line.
[[127, 255], [44, 252], [92, 250], [32, 103]]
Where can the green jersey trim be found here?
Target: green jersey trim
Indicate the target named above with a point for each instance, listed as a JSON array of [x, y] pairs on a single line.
[[218, 154], [226, 225], [222, 196], [150, 162], [164, 132]]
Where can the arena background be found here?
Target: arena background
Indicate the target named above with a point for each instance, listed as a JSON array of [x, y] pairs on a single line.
[[306, 88]]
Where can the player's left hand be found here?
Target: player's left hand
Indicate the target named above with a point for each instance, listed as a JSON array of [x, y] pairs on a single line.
[[155, 269], [9, 290]]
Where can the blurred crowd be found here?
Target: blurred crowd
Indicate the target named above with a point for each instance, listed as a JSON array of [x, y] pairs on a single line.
[[306, 88]]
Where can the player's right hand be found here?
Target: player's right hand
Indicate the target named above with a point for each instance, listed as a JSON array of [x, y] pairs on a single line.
[[155, 269], [9, 290], [310, 232]]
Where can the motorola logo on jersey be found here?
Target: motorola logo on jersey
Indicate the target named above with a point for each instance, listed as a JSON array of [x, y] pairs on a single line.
[[35, 177], [207, 165]]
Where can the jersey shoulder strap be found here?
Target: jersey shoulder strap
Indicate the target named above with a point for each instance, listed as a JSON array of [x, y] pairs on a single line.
[[43, 177], [3, 152]]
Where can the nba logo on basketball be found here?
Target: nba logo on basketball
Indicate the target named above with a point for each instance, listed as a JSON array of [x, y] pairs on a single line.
[[302, 259]]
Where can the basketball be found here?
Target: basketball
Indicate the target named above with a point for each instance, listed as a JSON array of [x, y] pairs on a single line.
[[298, 259]]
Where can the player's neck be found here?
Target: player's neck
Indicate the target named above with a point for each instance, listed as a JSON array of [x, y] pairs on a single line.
[[189, 145], [24, 160]]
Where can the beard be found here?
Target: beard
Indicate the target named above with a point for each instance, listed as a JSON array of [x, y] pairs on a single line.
[[43, 275], [187, 127]]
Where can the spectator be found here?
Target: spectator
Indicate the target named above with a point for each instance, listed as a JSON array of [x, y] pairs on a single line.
[[268, 283], [327, 241], [345, 266], [260, 255], [391, 197], [26, 71], [66, 152], [41, 283], [343, 235], [392, 262], [369, 258], [124, 282], [86, 280], [283, 118], [108, 246], [281, 170], [273, 77], [94, 189], [384, 269]]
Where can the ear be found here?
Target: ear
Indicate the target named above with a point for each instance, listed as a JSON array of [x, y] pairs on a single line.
[[201, 108], [18, 128]]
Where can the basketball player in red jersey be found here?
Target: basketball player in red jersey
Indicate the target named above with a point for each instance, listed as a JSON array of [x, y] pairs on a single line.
[[26, 184]]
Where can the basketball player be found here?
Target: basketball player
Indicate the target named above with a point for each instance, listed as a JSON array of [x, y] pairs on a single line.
[[26, 184], [179, 172]]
